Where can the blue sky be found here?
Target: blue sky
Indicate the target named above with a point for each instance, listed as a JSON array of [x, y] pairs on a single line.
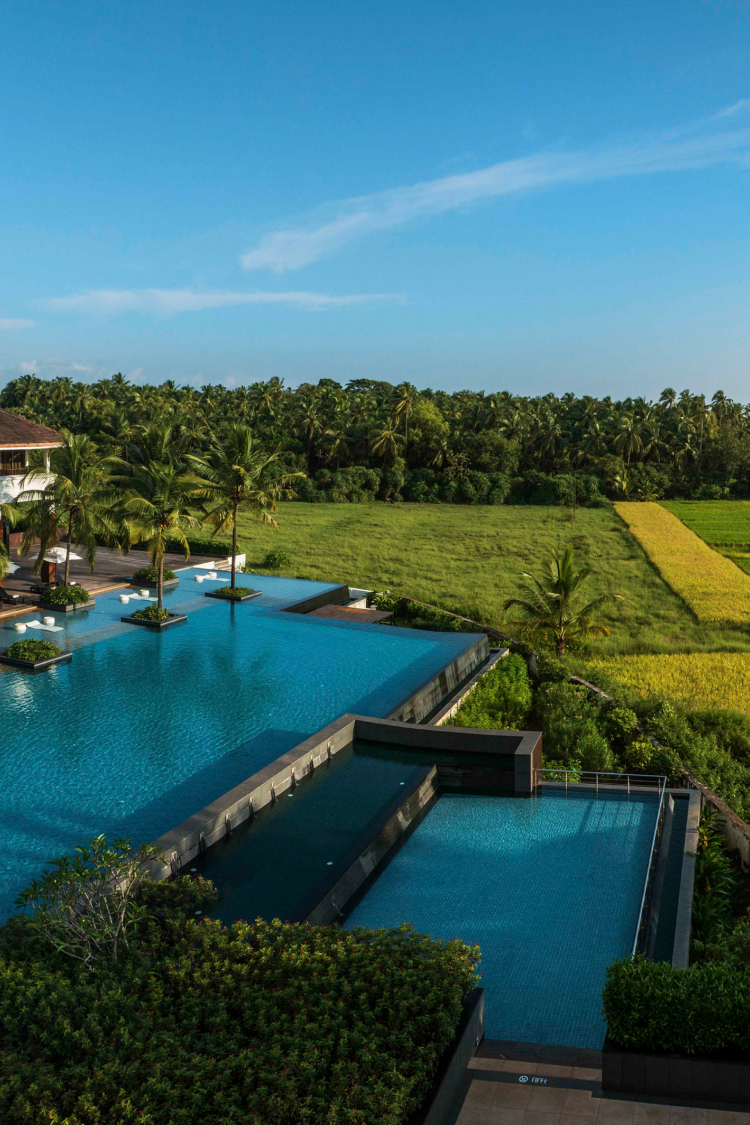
[[551, 195]]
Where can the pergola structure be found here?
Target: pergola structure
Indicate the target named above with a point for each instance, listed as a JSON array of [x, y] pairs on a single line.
[[18, 437]]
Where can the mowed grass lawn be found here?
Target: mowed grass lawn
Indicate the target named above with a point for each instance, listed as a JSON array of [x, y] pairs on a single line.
[[725, 524], [468, 559]]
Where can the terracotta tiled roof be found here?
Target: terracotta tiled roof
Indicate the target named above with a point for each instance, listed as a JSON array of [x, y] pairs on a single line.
[[20, 433]]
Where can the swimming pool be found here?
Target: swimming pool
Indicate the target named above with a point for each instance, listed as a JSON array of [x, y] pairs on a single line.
[[548, 886], [142, 729]]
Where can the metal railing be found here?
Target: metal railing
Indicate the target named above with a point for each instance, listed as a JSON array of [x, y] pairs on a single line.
[[630, 781]]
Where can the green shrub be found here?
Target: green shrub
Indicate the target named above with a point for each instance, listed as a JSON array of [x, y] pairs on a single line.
[[619, 724], [64, 595], [550, 670], [267, 1022], [651, 1006], [150, 574], [151, 613], [33, 650], [385, 601], [569, 714], [593, 752], [501, 699], [237, 592], [278, 559], [717, 893]]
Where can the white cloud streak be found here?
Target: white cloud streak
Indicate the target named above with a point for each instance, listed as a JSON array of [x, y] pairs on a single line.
[[169, 302], [8, 323], [698, 145]]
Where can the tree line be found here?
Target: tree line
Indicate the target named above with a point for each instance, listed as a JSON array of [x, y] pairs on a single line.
[[371, 439]]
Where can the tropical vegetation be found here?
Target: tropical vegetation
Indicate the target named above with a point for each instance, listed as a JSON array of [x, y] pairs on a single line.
[[64, 595], [195, 1021], [153, 613], [372, 438], [150, 574], [32, 650]]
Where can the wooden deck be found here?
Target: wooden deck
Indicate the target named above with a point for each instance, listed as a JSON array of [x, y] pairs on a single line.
[[346, 613]]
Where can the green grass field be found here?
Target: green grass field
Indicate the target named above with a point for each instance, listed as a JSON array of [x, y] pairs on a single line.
[[724, 523], [468, 558]]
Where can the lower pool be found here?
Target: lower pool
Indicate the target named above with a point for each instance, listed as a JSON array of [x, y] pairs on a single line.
[[548, 886], [142, 729]]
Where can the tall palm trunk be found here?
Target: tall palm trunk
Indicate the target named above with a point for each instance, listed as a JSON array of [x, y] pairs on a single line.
[[160, 583], [234, 546], [67, 550]]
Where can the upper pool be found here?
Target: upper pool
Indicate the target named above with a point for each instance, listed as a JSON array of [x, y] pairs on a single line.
[[142, 729], [549, 887]]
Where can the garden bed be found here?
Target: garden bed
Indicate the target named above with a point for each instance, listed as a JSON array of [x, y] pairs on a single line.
[[146, 583], [67, 608], [34, 655], [722, 1076], [173, 619], [241, 594]]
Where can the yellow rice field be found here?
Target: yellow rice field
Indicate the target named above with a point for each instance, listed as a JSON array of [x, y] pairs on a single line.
[[711, 585], [701, 680]]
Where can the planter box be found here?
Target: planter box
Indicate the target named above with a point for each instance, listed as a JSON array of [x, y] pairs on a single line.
[[67, 608], [723, 1076], [167, 584], [175, 619], [224, 598], [36, 665], [452, 1066]]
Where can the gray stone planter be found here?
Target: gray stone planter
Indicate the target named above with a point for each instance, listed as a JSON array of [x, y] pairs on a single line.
[[36, 665], [228, 598], [723, 1076], [175, 619], [67, 608], [452, 1067], [167, 584]]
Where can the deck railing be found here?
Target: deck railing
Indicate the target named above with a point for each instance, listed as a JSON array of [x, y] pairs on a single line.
[[630, 781]]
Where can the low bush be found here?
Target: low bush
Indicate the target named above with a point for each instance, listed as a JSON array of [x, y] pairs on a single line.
[[151, 574], [64, 595], [501, 699], [33, 650], [151, 613], [267, 1022], [237, 592], [718, 891], [278, 559], [651, 1006]]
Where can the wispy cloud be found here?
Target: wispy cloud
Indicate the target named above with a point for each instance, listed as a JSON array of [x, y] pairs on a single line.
[[697, 145], [168, 302], [9, 322]]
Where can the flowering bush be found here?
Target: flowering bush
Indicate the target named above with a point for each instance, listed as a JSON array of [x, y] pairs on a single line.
[[267, 1022]]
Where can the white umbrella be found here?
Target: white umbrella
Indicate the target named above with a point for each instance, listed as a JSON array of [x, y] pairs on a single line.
[[55, 555]]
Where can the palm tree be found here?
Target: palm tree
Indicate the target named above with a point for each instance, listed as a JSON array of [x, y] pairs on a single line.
[[236, 474], [156, 510], [72, 498], [406, 398], [549, 608], [386, 441]]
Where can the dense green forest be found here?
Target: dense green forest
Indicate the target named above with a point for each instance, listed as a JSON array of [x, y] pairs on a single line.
[[372, 440]]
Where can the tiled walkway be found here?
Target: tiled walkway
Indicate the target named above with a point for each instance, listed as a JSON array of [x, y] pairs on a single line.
[[505, 1092]]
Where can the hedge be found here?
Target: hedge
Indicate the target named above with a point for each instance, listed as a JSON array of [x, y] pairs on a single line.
[[267, 1022], [64, 595], [651, 1006]]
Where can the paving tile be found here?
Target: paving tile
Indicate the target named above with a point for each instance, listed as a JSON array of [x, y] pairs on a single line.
[[512, 1066], [533, 1117], [486, 1064], [682, 1116], [574, 1119], [581, 1102], [548, 1070], [613, 1112], [472, 1115], [648, 1114], [726, 1117], [587, 1073], [512, 1097], [480, 1094], [547, 1100], [501, 1115]]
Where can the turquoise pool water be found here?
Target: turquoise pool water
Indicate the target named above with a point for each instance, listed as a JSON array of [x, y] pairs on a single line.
[[142, 729], [549, 887]]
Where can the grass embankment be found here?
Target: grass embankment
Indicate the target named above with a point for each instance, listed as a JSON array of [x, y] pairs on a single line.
[[712, 586], [724, 524], [467, 559]]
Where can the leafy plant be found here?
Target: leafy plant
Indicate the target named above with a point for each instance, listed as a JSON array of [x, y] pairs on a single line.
[[150, 574], [550, 607], [550, 670], [64, 595], [278, 559], [385, 601], [33, 650], [234, 592], [86, 905], [152, 613], [501, 699]]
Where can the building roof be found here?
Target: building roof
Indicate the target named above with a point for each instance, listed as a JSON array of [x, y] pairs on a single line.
[[20, 433]]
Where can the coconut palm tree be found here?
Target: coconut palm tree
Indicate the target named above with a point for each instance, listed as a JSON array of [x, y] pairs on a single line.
[[155, 510], [235, 475], [550, 606], [73, 498]]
